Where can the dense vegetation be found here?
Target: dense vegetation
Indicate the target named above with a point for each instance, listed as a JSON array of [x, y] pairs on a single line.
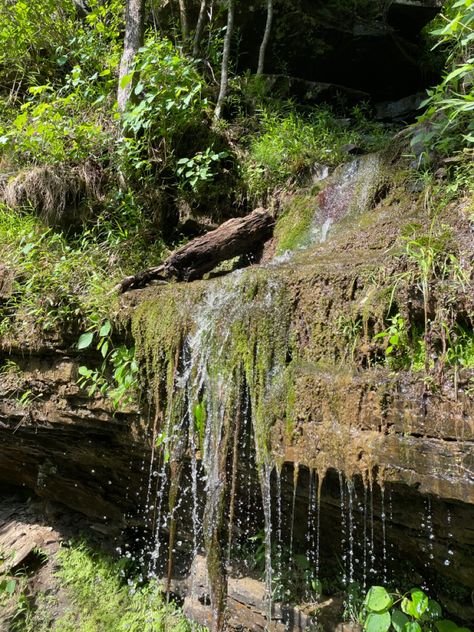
[[90, 193], [96, 196]]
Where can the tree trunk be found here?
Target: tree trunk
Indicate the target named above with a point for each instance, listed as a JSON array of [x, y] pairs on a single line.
[[225, 60], [183, 16], [235, 237], [266, 38], [199, 28], [134, 35]]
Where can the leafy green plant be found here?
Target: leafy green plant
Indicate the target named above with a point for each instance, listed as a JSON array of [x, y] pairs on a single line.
[[431, 260], [56, 283], [447, 124], [460, 350], [193, 171], [413, 611], [7, 586], [65, 111], [396, 336], [289, 143], [11, 587], [350, 328], [56, 129], [22, 42], [354, 608], [167, 100], [117, 376], [25, 399]]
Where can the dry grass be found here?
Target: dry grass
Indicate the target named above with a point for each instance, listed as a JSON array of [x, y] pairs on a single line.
[[59, 195]]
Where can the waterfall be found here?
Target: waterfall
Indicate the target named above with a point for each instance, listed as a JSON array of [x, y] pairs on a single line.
[[227, 364]]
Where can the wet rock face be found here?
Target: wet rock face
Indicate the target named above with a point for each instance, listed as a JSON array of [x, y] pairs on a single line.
[[282, 431], [62, 445], [71, 449], [373, 421]]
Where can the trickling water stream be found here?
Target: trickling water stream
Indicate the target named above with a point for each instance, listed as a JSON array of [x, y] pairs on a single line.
[[220, 364]]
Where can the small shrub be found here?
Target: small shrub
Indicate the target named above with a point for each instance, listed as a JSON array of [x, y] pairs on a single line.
[[58, 126], [57, 283], [167, 101], [23, 42], [118, 374], [397, 342]]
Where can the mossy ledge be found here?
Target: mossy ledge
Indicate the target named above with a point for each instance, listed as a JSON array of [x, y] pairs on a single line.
[[301, 338]]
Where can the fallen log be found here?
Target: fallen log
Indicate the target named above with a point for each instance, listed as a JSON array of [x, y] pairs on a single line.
[[238, 236]]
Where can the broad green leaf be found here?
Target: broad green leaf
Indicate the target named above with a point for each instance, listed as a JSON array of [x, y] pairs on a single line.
[[317, 586], [420, 601], [378, 599], [464, 69], [378, 622], [104, 349], [408, 607], [399, 619], [412, 626], [105, 329], [85, 340]]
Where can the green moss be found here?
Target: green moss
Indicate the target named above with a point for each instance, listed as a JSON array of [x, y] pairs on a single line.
[[210, 345], [292, 229], [100, 600]]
